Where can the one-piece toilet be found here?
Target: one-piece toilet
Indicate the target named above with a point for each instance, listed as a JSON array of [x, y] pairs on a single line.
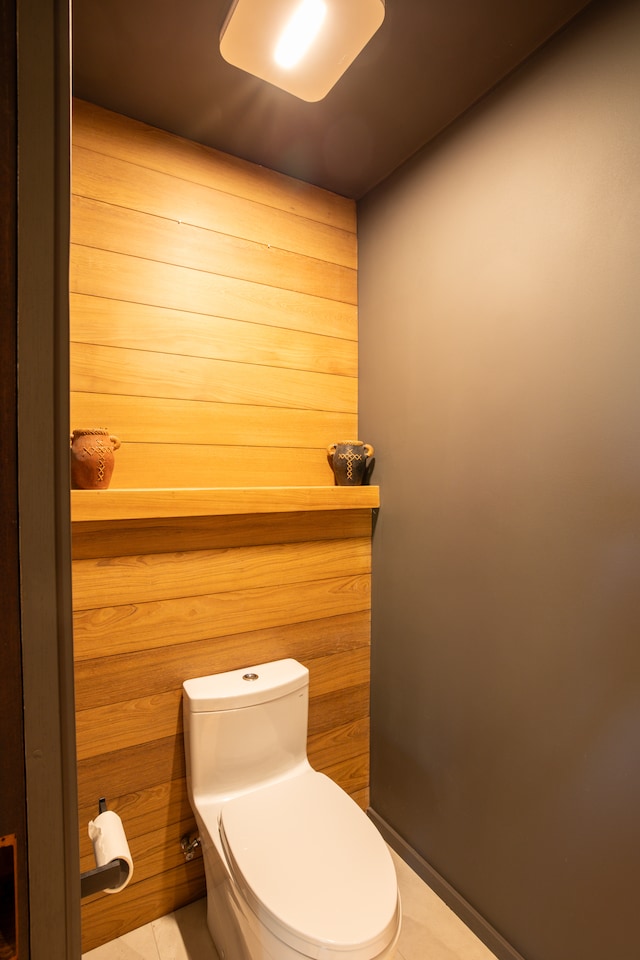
[[293, 866]]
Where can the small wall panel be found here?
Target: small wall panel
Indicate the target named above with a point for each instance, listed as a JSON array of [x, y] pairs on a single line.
[[308, 599], [129, 675], [194, 281]]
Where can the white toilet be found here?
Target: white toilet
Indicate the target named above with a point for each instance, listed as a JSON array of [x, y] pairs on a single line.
[[293, 866]]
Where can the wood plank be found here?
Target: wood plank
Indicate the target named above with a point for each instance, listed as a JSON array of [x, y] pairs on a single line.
[[114, 135], [338, 707], [120, 183], [120, 538], [98, 369], [124, 771], [151, 420], [128, 723], [145, 718], [118, 323], [361, 797], [171, 466], [349, 668], [116, 276], [131, 504], [99, 681], [352, 775], [125, 629], [202, 572], [204, 240], [339, 745]]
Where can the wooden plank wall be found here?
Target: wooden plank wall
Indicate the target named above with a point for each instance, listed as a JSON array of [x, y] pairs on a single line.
[[237, 377], [213, 311]]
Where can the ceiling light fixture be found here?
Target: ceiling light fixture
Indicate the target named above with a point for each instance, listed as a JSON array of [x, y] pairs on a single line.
[[299, 33], [301, 46]]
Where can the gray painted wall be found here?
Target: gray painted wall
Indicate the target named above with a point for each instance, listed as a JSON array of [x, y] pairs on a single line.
[[500, 354]]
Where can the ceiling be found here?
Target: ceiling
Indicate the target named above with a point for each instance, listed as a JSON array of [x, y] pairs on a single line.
[[158, 61]]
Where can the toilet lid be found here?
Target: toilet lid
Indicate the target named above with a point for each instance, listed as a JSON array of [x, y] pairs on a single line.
[[313, 867]]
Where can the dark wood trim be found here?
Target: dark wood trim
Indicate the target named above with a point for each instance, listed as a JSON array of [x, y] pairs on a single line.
[[43, 478], [14, 915]]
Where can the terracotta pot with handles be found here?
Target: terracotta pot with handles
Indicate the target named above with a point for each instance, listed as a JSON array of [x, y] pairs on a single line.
[[92, 459]]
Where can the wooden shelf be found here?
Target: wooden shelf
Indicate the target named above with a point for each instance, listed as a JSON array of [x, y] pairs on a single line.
[[88, 505]]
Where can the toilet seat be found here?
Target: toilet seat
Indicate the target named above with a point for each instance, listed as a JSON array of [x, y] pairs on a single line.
[[312, 867]]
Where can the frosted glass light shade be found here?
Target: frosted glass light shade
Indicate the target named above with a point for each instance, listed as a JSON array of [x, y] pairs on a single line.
[[253, 29]]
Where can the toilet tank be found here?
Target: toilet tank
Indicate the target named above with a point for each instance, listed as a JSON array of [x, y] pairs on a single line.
[[244, 728]]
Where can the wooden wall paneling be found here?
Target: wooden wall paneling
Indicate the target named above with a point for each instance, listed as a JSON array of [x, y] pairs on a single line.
[[202, 572], [145, 810], [159, 783], [117, 276], [352, 775], [266, 256], [161, 669], [127, 723], [141, 465], [116, 182], [340, 744], [214, 330], [139, 719], [155, 818], [120, 538], [165, 801], [98, 369], [338, 707], [153, 852], [111, 730], [156, 624], [126, 771], [114, 135], [159, 420], [261, 289], [119, 323]]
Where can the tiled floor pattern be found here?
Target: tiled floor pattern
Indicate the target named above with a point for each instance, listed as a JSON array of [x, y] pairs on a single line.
[[430, 931]]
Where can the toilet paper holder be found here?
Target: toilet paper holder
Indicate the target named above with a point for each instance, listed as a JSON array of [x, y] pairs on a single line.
[[112, 874]]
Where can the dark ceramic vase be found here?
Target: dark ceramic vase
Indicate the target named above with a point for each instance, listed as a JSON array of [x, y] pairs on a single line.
[[350, 461], [92, 459]]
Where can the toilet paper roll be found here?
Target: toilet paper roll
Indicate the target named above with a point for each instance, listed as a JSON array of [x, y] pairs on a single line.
[[110, 843]]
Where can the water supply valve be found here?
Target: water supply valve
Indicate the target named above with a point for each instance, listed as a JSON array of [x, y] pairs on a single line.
[[188, 844]]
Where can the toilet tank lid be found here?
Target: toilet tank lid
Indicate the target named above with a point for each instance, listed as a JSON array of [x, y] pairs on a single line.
[[244, 687]]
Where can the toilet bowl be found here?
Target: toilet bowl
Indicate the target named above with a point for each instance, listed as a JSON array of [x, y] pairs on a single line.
[[293, 866]]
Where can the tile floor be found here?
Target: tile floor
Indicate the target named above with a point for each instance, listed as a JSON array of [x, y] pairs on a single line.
[[429, 930]]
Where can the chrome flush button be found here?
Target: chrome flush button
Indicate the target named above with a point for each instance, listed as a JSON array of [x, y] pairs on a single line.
[[250, 676]]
